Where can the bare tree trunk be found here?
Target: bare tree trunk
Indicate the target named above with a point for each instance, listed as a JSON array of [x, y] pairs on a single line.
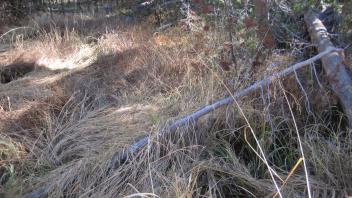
[[334, 64], [266, 39], [230, 21], [317, 3], [245, 6], [262, 19], [50, 9], [62, 7]]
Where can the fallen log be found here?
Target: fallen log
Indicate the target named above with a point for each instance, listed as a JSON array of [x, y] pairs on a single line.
[[121, 157], [334, 64]]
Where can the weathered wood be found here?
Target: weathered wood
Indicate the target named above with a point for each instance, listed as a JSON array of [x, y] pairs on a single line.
[[334, 64]]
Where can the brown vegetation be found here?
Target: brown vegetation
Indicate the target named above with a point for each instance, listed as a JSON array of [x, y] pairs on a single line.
[[76, 92]]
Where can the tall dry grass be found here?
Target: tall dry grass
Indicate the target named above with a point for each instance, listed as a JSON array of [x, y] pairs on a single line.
[[88, 98]]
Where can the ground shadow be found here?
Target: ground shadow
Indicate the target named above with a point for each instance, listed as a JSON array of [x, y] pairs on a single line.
[[15, 71], [101, 82], [95, 86]]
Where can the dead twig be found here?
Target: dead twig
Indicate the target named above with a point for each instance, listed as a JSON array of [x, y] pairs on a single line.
[[123, 155]]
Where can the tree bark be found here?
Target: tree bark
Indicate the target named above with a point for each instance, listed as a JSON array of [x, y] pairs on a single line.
[[265, 36], [262, 20], [334, 64]]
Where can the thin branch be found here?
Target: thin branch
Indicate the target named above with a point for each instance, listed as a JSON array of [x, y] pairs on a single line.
[[316, 75], [304, 92], [14, 29], [122, 156]]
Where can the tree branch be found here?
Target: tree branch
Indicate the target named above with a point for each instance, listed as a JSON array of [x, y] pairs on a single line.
[[121, 157]]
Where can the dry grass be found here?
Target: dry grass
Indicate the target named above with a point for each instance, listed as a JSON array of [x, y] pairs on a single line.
[[86, 99]]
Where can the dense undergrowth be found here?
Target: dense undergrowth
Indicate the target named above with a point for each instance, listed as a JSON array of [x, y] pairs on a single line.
[[95, 86]]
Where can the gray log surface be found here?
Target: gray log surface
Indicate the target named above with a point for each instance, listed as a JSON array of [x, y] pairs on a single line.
[[334, 64]]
